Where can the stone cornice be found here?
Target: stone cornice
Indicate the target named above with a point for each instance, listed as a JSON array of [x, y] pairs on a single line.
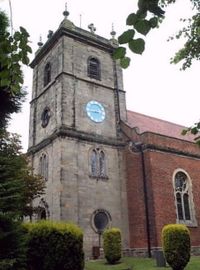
[[170, 150], [77, 34], [75, 77], [77, 135]]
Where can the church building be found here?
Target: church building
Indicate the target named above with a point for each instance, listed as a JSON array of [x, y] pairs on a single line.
[[105, 166]]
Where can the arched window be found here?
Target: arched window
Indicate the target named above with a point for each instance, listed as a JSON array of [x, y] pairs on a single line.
[[102, 164], [45, 117], [98, 163], [47, 74], [94, 70], [43, 166], [183, 198], [43, 210], [94, 163]]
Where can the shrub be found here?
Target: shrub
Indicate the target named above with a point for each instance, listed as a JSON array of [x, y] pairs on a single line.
[[54, 245], [112, 245], [12, 250], [176, 245]]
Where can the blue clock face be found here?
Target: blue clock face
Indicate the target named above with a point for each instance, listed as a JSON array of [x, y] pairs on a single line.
[[95, 111]]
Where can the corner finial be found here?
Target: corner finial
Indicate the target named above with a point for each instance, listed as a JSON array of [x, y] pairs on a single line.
[[50, 34], [40, 43], [92, 28], [66, 13], [113, 33]]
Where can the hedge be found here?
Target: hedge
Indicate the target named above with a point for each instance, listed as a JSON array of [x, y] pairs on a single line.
[[54, 245]]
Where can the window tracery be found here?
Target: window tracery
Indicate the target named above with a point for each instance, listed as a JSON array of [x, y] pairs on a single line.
[[98, 163], [183, 198], [43, 166]]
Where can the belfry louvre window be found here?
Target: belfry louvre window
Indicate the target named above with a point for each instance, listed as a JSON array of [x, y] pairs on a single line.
[[98, 163], [47, 74], [183, 198], [43, 166], [94, 69]]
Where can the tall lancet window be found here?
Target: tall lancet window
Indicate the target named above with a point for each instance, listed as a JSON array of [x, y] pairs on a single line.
[[47, 74], [43, 166], [183, 199], [94, 69], [98, 163], [102, 164], [94, 163]]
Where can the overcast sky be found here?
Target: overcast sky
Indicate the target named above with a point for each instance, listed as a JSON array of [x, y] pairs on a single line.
[[153, 86]]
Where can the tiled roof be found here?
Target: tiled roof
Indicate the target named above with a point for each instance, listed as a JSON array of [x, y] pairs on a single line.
[[147, 123]]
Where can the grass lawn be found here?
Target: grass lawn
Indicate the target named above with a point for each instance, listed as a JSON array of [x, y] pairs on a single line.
[[137, 264]]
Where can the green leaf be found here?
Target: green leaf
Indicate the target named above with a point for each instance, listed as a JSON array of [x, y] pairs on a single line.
[[28, 48], [15, 88], [131, 19], [24, 32], [153, 22], [126, 36], [194, 130], [143, 26], [15, 58], [5, 82], [25, 60], [17, 36], [125, 62], [119, 53], [137, 45]]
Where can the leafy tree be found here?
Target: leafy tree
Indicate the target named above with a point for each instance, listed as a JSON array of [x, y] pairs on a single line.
[[149, 15], [18, 186], [14, 51], [12, 248]]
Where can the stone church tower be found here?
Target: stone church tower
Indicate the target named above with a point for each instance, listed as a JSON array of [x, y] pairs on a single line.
[[74, 138]]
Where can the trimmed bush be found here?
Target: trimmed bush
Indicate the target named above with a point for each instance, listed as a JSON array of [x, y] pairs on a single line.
[[112, 245], [54, 245], [176, 245]]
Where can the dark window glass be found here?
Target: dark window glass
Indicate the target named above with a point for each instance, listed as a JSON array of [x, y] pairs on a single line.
[[43, 214], [186, 206], [45, 117], [179, 206], [94, 161], [94, 68], [101, 221], [47, 74], [102, 168]]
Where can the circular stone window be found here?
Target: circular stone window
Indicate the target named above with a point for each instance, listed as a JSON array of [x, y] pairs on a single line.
[[101, 220], [45, 117]]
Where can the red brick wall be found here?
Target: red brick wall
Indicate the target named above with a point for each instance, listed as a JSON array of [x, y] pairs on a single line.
[[159, 168]]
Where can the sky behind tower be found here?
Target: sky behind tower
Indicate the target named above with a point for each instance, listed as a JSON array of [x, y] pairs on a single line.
[[153, 86]]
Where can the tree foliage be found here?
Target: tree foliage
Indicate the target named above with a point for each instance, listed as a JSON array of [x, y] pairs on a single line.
[[14, 51], [149, 15], [18, 186]]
